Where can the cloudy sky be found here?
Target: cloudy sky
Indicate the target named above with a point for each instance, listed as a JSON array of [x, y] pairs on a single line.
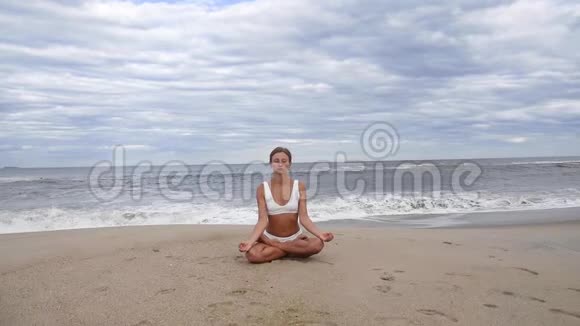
[[230, 80]]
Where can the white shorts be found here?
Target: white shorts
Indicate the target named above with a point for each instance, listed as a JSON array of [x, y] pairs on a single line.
[[283, 239]]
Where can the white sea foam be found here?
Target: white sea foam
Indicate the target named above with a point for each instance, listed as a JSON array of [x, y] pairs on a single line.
[[54, 218], [545, 162], [16, 179]]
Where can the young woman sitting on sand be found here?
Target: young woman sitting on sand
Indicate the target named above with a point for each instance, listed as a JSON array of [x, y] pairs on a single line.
[[278, 233]]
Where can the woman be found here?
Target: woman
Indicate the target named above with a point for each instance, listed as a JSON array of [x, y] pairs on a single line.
[[281, 205]]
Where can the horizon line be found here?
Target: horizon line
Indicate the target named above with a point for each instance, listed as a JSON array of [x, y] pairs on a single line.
[[347, 161]]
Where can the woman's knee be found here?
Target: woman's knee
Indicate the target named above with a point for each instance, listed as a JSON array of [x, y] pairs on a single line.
[[253, 255], [318, 245]]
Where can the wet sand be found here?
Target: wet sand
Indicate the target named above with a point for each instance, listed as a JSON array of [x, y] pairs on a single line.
[[194, 275]]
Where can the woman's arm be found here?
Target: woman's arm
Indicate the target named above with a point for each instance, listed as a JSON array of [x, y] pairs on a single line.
[[303, 213], [262, 215]]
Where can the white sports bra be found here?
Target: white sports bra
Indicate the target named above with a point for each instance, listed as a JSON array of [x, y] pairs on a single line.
[[290, 207]]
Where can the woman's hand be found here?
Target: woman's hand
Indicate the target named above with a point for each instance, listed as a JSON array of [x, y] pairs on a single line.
[[326, 236], [245, 246]]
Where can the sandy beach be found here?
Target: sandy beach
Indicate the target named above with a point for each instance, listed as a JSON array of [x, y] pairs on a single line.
[[141, 141], [194, 275]]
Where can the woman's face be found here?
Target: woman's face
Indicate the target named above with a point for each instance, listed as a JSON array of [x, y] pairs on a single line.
[[280, 163]]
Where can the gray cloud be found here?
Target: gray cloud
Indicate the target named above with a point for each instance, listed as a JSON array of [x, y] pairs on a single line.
[[203, 80]]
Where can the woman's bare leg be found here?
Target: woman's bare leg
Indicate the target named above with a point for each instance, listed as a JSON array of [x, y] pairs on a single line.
[[261, 253], [301, 247]]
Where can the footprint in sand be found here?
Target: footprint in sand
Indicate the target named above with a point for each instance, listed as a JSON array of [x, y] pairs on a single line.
[[101, 289], [244, 291], [494, 257], [451, 243], [537, 299], [165, 291], [220, 304], [321, 313], [527, 270], [500, 248], [255, 319], [564, 312], [292, 310], [573, 289], [398, 271], [383, 288], [446, 287], [255, 303], [387, 289], [238, 292], [511, 294], [387, 277], [458, 274], [489, 305], [433, 312], [155, 250], [143, 323]]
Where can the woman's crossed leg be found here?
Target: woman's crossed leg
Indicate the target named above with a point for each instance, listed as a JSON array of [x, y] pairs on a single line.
[[267, 250]]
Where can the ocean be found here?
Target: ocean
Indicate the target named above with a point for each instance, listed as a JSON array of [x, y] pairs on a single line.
[[39, 199]]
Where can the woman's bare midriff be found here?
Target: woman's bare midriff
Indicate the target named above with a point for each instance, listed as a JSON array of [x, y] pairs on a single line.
[[283, 225]]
